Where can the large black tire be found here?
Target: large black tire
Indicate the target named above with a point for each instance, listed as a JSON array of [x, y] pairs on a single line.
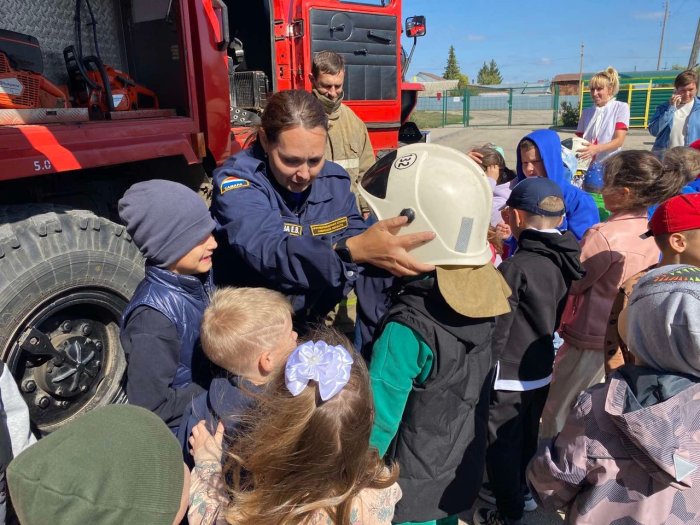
[[67, 273]]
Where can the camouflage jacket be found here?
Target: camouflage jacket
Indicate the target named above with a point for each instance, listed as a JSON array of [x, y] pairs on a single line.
[[628, 454]]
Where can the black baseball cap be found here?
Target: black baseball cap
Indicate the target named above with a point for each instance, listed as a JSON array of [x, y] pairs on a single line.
[[529, 194]]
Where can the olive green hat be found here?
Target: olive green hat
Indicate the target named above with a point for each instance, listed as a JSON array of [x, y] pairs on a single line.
[[114, 465]]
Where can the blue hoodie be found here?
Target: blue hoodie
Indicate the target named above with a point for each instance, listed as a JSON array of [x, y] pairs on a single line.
[[581, 210]]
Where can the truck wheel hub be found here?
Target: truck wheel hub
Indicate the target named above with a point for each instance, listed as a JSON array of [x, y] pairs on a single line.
[[74, 372]]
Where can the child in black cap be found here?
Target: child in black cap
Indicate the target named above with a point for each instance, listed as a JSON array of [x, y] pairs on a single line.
[[539, 275], [172, 227]]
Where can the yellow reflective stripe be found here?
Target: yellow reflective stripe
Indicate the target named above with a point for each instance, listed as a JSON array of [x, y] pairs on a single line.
[[329, 227]]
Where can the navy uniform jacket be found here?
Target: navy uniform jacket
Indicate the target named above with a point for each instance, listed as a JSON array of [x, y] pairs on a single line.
[[268, 239]]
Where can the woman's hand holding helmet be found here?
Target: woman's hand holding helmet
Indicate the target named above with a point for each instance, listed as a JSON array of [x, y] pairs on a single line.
[[382, 246]]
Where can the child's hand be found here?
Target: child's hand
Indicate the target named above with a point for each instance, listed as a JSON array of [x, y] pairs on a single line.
[[476, 157], [503, 230], [204, 446], [493, 172]]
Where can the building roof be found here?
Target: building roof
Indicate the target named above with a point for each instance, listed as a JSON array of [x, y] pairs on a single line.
[[429, 77], [565, 77], [524, 88], [626, 77]]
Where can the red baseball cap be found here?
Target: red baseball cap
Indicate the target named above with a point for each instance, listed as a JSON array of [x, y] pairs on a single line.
[[696, 145], [677, 214]]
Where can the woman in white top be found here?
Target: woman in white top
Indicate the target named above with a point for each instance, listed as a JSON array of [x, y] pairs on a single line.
[[604, 125]]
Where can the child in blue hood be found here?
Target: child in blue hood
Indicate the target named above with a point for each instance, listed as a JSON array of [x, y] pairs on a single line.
[[539, 155]]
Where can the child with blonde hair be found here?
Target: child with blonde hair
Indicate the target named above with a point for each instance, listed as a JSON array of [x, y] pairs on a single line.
[[304, 456], [248, 333], [611, 252]]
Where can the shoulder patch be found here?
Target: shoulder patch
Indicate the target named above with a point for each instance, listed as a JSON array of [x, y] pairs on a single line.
[[233, 183], [293, 229], [329, 227]]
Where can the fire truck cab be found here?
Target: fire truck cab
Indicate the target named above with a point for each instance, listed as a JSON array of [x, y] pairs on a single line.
[[98, 94]]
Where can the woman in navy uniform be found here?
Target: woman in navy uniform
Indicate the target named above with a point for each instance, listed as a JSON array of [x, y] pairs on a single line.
[[287, 220]]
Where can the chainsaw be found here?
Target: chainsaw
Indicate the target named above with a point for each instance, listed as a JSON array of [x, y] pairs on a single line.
[[98, 86], [22, 84]]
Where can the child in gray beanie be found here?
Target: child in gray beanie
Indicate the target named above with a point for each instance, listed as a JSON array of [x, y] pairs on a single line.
[[630, 450], [172, 227], [662, 321]]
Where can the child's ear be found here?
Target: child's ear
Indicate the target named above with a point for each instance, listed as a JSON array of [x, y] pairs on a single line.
[[265, 363], [678, 242], [518, 218], [561, 220]]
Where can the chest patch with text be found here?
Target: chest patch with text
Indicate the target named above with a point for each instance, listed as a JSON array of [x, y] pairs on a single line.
[[233, 183], [293, 229], [329, 227]]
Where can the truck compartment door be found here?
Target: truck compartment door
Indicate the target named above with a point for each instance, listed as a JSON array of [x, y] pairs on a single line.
[[368, 43]]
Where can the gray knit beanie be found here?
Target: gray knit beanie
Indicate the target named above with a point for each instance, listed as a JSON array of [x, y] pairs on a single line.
[[166, 219], [115, 465], [663, 319]]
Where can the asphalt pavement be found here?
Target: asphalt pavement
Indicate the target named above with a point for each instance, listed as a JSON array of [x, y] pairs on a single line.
[[465, 139]]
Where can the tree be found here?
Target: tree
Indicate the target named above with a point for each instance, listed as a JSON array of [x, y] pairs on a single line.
[[463, 81], [452, 71], [489, 74]]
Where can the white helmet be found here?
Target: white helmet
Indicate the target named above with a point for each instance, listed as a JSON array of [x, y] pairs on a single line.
[[444, 191]]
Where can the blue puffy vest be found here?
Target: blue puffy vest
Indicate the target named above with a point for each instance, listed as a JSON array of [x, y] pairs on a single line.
[[180, 298]]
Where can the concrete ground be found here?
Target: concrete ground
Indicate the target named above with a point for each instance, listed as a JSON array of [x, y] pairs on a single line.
[[538, 517], [465, 139], [508, 137]]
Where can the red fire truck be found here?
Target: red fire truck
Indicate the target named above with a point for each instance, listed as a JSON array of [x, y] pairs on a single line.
[[96, 95]]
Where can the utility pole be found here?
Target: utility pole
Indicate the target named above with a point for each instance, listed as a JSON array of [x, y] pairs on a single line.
[[663, 30], [580, 78], [696, 46]]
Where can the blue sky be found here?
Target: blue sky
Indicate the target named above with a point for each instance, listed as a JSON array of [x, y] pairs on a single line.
[[539, 39]]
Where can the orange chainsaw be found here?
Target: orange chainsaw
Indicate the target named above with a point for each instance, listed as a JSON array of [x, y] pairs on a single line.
[[99, 87], [22, 84]]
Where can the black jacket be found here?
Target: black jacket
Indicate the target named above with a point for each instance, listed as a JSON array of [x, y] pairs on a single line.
[[440, 444], [227, 400], [539, 274]]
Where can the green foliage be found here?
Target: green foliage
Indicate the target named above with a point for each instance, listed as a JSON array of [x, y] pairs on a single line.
[[427, 119], [463, 81], [569, 115], [452, 71], [489, 74]]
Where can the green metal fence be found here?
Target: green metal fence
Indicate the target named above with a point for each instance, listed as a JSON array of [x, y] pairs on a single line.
[[519, 105], [484, 106]]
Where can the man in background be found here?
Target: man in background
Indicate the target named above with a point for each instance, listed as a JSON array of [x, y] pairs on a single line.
[[348, 141]]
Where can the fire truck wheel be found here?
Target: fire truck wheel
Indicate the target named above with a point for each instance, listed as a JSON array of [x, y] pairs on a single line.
[[65, 277]]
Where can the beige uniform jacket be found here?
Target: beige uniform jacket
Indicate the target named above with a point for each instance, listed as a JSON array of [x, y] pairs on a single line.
[[348, 144]]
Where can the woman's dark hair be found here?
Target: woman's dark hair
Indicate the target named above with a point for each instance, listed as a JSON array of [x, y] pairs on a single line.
[[291, 109], [650, 181]]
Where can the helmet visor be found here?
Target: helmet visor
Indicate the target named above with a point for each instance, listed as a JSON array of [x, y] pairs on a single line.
[[376, 179]]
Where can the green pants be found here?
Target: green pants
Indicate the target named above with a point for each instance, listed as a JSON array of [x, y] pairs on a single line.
[[450, 520]]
